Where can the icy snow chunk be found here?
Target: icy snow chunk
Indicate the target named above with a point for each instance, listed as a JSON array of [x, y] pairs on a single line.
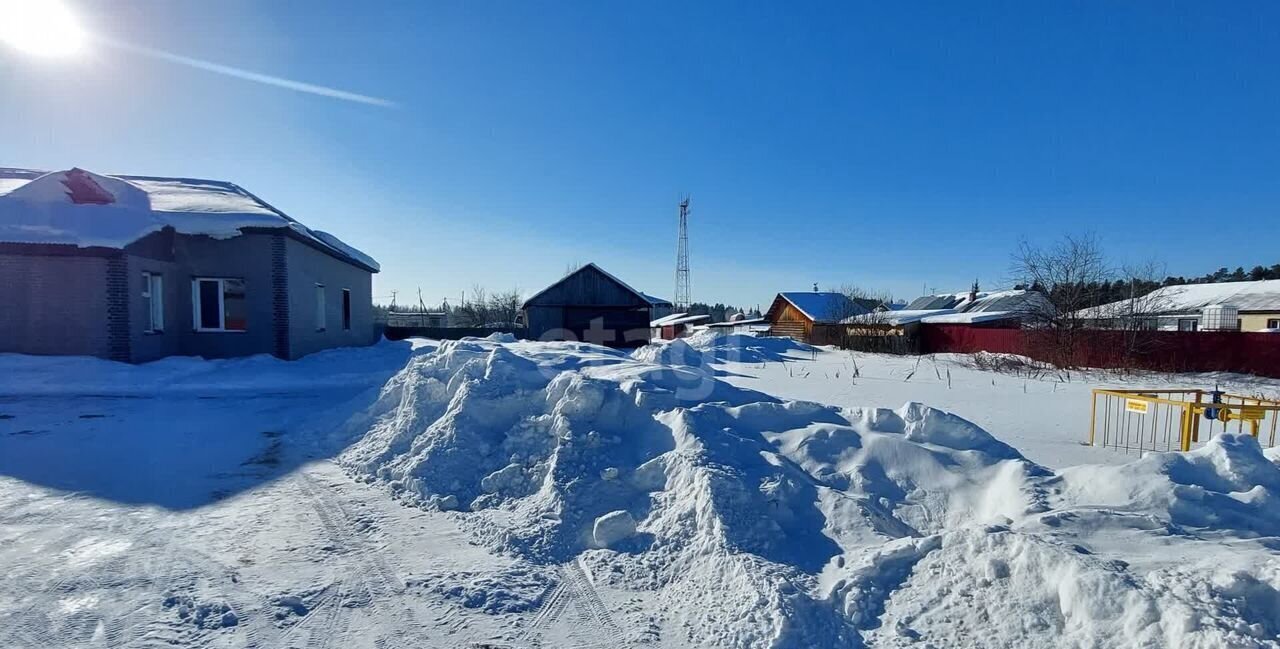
[[676, 352], [613, 527], [508, 478], [932, 426], [650, 476]]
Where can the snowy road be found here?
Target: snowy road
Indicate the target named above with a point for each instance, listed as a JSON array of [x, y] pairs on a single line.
[[310, 560]]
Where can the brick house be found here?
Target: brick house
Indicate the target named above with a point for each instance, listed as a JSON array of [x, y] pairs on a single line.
[[136, 268]]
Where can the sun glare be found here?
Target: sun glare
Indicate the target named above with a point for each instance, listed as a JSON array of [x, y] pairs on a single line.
[[40, 27]]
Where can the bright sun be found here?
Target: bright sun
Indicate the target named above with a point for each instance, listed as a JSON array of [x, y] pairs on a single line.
[[41, 27]]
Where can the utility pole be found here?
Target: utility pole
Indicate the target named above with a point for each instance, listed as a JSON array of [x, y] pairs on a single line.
[[682, 258]]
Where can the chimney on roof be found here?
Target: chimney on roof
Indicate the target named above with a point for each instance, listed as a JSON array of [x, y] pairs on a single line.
[[815, 287], [973, 291], [82, 189]]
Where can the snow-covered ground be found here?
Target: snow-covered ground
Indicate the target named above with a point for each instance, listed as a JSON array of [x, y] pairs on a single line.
[[730, 492], [1042, 413]]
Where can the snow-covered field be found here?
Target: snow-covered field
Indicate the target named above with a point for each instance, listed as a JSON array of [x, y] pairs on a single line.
[[731, 492]]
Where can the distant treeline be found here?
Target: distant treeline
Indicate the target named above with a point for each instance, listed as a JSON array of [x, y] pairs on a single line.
[[1106, 292]]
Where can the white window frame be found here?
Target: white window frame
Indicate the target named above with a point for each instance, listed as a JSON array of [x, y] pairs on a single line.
[[347, 309], [153, 291], [322, 319], [222, 306], [1273, 323]]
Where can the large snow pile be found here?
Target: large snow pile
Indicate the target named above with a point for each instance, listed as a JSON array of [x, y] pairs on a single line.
[[795, 524]]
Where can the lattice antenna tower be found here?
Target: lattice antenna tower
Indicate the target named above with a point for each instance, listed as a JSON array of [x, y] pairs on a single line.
[[682, 258]]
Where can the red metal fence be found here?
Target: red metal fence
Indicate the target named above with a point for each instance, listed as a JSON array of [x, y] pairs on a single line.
[[1166, 351]]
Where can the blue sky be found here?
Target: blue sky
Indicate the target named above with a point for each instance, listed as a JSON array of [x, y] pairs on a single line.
[[888, 145]]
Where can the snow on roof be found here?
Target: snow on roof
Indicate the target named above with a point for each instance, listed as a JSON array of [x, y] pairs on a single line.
[[940, 301], [823, 306], [989, 307], [896, 318], [655, 301], [82, 208], [1260, 295], [666, 319], [683, 319], [992, 307], [972, 317], [1012, 300]]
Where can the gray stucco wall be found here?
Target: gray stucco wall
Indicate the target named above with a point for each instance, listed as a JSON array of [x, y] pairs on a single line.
[[89, 302], [308, 267], [246, 257], [151, 346], [53, 305]]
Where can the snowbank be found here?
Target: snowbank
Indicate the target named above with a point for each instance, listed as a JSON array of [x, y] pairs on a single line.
[[798, 524], [826, 522]]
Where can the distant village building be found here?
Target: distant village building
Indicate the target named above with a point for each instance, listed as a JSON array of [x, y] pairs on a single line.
[[811, 316], [1011, 308], [135, 268], [590, 305], [1224, 306], [676, 325], [975, 309]]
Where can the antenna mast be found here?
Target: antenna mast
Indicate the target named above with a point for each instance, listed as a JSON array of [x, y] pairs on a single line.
[[682, 258]]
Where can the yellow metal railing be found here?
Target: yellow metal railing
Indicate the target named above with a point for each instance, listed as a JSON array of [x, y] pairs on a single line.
[[1153, 420]]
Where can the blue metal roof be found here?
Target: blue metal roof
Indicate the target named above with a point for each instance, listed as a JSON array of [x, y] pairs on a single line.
[[824, 306]]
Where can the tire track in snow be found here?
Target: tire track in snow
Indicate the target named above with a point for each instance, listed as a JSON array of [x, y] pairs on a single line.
[[552, 607], [590, 599], [594, 625], [367, 560], [185, 566]]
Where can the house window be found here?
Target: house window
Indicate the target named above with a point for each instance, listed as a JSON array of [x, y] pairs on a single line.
[[1273, 323], [1188, 324], [153, 302], [218, 304], [346, 309], [320, 320]]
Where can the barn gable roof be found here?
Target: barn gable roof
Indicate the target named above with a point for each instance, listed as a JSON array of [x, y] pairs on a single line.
[[646, 299]]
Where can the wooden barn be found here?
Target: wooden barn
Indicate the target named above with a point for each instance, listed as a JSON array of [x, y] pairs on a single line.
[[810, 316], [590, 305]]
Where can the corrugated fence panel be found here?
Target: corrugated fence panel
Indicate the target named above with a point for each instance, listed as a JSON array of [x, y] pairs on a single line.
[[1166, 351]]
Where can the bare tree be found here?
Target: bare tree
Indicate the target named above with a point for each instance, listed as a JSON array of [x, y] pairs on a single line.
[[1069, 274], [504, 307], [484, 309], [1136, 316], [854, 310], [474, 310]]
